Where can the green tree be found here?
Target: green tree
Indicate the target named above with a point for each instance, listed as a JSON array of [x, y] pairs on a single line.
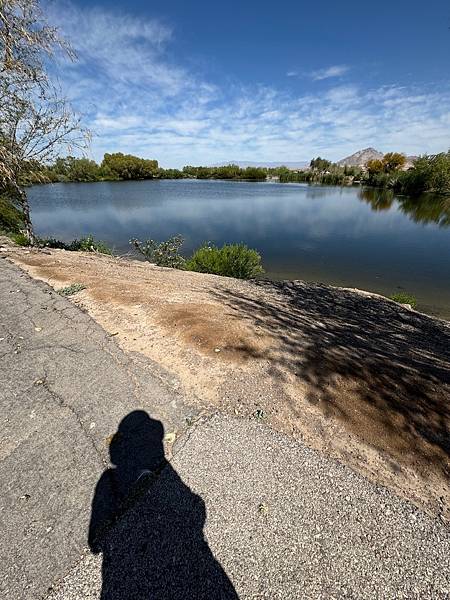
[[35, 121], [320, 164], [429, 174], [127, 166], [393, 161], [375, 166]]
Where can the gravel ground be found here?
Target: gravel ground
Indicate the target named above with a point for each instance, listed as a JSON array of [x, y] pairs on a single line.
[[282, 521]]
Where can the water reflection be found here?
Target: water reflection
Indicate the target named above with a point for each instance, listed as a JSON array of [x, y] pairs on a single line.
[[377, 198], [428, 208], [349, 236]]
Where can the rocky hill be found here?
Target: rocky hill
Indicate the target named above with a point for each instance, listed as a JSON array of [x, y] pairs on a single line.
[[360, 158]]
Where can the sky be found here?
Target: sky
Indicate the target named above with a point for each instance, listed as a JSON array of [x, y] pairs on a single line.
[[206, 82]]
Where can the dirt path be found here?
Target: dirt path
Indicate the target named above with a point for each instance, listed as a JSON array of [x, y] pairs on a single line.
[[350, 373]]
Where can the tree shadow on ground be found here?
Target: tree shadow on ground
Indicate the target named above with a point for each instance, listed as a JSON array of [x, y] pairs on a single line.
[[156, 549], [381, 370]]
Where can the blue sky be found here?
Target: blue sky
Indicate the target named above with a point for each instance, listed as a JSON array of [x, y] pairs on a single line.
[[201, 82]]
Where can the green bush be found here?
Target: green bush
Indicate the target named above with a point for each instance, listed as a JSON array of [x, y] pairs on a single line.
[[52, 243], [162, 254], [20, 239], [11, 218], [89, 244], [232, 260], [404, 298], [84, 244], [429, 174]]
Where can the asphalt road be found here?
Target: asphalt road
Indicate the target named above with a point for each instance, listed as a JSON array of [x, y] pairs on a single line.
[[64, 388], [90, 507], [281, 522]]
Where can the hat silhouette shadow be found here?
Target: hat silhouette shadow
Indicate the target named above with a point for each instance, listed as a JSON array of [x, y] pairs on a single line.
[[148, 524]]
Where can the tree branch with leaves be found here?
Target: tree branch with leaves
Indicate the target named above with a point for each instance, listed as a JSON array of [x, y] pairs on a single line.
[[36, 121]]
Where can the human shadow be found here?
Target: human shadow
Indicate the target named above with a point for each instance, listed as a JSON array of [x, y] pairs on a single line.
[[148, 524]]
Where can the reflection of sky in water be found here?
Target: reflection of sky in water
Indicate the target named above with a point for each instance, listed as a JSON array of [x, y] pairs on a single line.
[[315, 233]]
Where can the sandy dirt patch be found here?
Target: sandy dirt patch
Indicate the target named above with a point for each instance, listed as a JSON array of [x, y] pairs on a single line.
[[352, 374]]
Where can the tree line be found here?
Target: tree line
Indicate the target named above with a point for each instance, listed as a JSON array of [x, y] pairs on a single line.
[[429, 173], [122, 167]]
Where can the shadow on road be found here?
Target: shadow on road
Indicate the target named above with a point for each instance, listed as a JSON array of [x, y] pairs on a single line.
[[157, 550]]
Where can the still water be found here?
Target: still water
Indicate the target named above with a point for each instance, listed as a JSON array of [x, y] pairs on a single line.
[[342, 236]]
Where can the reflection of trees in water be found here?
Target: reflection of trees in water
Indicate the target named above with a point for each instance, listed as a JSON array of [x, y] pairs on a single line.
[[378, 198], [427, 208]]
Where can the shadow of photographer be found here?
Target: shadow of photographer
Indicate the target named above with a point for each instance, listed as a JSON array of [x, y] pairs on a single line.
[[157, 550]]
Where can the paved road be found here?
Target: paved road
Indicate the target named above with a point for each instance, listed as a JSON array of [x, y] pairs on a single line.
[[239, 512], [64, 388], [282, 521]]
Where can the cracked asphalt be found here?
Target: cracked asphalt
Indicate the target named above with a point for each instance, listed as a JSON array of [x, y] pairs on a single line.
[[64, 387], [91, 508]]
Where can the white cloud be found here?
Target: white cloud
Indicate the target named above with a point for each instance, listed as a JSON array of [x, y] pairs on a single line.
[[136, 99], [333, 71]]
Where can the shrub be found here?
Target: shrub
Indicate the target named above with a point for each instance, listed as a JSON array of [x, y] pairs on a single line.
[[84, 244], [232, 260], [52, 243], [69, 290], [162, 254], [404, 298], [429, 173], [89, 244], [11, 218], [20, 239]]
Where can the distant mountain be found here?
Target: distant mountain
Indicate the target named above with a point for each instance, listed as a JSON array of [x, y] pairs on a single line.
[[360, 158], [301, 164]]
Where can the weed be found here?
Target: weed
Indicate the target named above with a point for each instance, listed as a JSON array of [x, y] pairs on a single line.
[[84, 244], [20, 239], [259, 414], [404, 298], [72, 289], [162, 254]]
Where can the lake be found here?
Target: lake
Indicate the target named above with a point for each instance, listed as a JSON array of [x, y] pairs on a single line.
[[348, 236]]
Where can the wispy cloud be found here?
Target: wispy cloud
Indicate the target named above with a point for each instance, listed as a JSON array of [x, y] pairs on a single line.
[[333, 71], [137, 99]]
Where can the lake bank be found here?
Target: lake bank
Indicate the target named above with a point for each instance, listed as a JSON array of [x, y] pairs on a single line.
[[351, 374], [336, 236]]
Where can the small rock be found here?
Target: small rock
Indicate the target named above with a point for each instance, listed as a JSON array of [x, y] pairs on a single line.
[[38, 328], [170, 437], [405, 305]]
